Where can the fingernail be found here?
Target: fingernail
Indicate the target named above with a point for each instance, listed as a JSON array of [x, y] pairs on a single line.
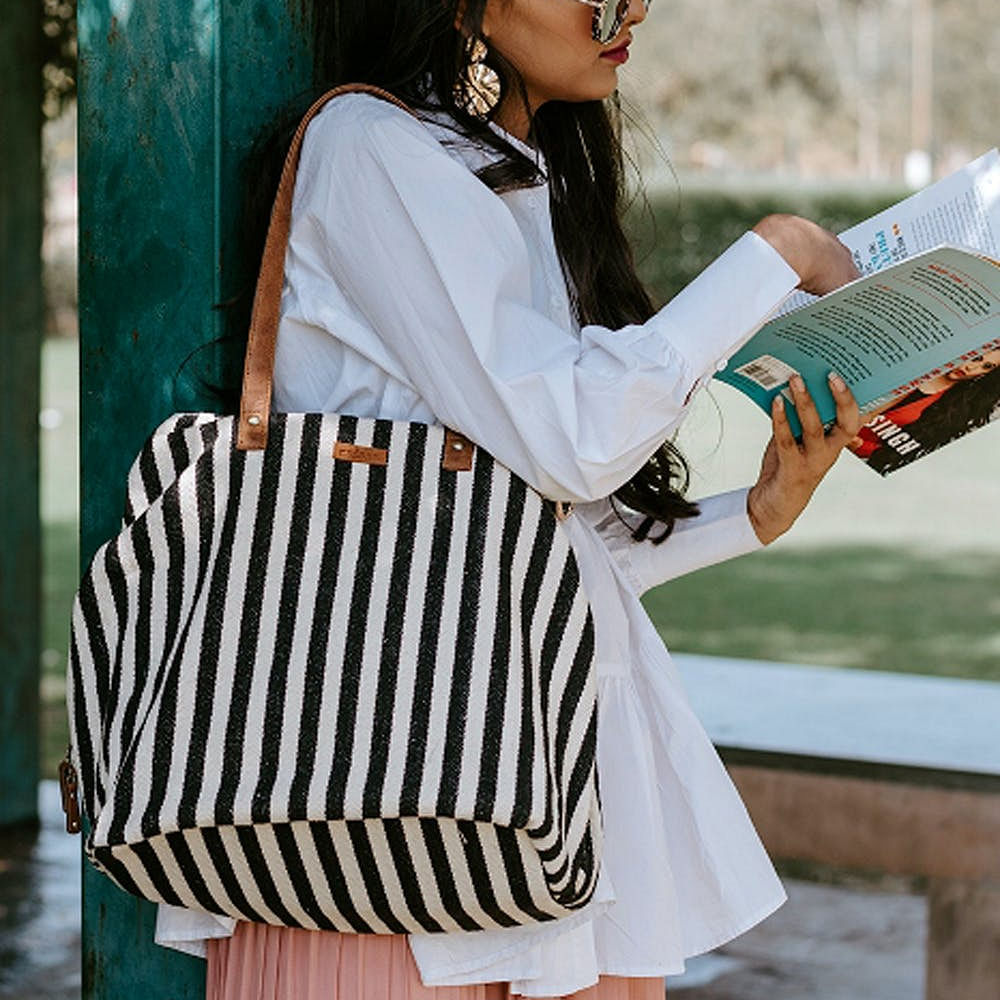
[[837, 382], [778, 405], [797, 383]]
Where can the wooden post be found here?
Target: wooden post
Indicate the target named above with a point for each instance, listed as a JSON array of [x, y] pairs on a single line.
[[20, 344], [170, 95], [963, 940]]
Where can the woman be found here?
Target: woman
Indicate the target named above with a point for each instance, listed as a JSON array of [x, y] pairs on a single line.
[[938, 410], [470, 268]]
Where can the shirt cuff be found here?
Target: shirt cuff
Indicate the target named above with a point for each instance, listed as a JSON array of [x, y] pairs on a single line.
[[726, 304], [722, 530]]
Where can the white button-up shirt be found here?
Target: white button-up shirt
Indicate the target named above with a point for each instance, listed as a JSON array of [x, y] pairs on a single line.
[[413, 292]]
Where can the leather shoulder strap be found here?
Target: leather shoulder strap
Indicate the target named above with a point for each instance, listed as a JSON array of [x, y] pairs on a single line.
[[258, 369]]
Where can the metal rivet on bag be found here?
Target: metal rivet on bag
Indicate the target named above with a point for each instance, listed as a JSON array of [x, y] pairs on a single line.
[[458, 446], [254, 421]]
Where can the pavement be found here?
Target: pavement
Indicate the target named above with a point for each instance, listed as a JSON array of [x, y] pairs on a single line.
[[40, 907], [828, 942]]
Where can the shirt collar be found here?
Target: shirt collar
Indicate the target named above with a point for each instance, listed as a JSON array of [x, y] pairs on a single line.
[[533, 154]]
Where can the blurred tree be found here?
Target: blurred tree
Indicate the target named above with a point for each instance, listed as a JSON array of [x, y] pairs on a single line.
[[817, 88], [966, 76], [58, 55]]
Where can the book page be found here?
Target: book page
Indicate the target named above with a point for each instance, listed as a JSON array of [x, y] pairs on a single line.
[[963, 210], [883, 334]]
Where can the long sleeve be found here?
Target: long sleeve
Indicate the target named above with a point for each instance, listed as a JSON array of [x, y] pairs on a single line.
[[431, 259], [721, 531]]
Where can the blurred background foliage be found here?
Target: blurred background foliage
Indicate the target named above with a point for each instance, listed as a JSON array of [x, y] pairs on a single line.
[[58, 56], [680, 232], [817, 88]]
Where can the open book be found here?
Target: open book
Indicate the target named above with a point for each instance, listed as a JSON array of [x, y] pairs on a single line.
[[917, 338]]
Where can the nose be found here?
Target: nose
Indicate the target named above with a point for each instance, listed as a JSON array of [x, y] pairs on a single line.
[[636, 12]]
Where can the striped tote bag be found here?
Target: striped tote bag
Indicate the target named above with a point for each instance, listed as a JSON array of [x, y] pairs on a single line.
[[335, 672]]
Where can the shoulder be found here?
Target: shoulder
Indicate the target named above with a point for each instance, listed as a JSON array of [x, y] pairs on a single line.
[[365, 155], [361, 151], [357, 112], [369, 163], [362, 126]]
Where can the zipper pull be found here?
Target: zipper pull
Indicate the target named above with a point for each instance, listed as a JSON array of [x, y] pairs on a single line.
[[68, 787]]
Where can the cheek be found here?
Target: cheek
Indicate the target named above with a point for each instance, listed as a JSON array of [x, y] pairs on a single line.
[[549, 41]]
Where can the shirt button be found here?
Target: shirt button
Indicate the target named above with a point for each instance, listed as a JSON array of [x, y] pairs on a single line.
[[721, 366]]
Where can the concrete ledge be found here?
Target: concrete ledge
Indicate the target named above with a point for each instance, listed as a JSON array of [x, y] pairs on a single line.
[[857, 720]]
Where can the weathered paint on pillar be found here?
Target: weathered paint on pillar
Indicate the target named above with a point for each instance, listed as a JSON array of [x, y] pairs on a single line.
[[20, 349], [170, 94]]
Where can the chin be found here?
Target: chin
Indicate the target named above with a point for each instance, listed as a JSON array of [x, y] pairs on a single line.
[[604, 91]]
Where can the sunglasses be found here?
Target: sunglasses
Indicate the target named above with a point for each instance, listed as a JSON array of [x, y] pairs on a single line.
[[609, 16]]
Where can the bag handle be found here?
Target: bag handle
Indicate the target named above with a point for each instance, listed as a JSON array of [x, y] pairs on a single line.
[[258, 366]]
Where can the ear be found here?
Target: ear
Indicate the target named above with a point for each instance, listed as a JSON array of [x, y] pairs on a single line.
[[460, 17]]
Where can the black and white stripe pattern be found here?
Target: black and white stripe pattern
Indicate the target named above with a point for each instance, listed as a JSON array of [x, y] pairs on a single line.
[[327, 694]]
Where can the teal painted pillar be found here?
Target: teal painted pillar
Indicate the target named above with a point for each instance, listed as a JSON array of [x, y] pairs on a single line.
[[170, 94], [20, 369]]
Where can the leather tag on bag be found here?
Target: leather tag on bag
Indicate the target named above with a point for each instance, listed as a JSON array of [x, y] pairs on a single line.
[[360, 453], [458, 451]]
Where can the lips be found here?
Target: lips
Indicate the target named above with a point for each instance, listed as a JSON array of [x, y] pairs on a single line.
[[619, 50], [619, 53]]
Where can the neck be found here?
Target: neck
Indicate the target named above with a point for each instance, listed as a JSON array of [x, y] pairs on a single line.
[[512, 116]]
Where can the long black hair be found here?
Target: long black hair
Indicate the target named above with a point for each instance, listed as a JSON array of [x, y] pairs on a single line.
[[965, 406], [420, 52]]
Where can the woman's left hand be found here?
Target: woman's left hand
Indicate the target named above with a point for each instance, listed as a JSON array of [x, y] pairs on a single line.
[[790, 472]]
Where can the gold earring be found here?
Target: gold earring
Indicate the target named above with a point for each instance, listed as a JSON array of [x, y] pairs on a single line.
[[479, 91]]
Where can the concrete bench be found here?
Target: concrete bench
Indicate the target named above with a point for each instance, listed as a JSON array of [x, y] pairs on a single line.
[[878, 772]]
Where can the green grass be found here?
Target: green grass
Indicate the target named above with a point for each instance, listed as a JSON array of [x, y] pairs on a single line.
[[863, 607]]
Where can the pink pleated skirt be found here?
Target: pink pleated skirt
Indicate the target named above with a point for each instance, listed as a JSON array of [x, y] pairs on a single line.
[[260, 962]]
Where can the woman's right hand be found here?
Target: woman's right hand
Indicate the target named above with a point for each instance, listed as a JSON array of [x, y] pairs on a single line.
[[820, 260]]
